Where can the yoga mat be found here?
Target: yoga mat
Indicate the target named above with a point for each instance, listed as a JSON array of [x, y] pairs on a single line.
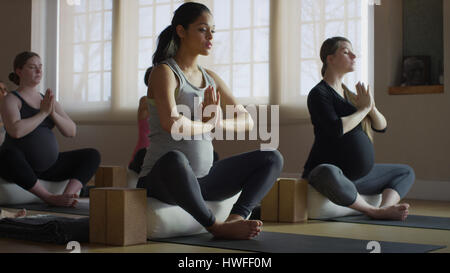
[[273, 242], [81, 209], [46, 229], [414, 221]]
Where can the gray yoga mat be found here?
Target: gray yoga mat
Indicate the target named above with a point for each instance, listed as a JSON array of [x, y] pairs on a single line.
[[81, 209], [273, 242], [414, 221]]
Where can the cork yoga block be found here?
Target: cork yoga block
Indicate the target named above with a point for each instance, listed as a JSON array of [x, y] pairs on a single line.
[[292, 201], [111, 177], [286, 201], [118, 216], [269, 204]]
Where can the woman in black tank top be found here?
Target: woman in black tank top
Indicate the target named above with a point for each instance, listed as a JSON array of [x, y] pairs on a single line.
[[341, 162], [30, 151]]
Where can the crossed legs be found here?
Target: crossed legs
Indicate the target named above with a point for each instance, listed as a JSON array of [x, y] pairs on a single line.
[[77, 166], [173, 181], [393, 181]]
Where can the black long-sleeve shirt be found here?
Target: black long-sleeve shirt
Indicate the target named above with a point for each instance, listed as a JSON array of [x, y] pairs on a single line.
[[352, 152]]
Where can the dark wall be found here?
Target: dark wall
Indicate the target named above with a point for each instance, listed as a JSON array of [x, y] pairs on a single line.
[[423, 32], [15, 31]]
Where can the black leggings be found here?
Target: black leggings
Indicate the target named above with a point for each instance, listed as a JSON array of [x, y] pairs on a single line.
[[78, 164], [172, 181]]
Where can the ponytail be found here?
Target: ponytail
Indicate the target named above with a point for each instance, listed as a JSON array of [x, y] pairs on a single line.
[[324, 69], [167, 45], [168, 40], [366, 122]]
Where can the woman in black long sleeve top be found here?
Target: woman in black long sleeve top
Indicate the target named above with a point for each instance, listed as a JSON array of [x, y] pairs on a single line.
[[341, 163]]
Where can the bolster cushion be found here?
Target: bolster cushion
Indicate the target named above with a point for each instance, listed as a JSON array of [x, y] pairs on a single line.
[[13, 194], [320, 207], [164, 220]]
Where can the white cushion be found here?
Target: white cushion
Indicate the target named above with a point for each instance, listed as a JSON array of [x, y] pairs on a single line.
[[164, 220], [13, 194], [320, 207], [132, 178]]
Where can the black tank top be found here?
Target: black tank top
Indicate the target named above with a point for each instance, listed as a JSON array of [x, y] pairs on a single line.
[[40, 146]]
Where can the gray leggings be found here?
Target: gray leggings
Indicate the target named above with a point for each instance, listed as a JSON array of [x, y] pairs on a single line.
[[172, 181], [330, 181]]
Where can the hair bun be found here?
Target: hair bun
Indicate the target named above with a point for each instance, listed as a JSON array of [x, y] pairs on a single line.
[[14, 78]]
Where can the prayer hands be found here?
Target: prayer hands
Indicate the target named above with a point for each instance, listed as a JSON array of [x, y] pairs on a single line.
[[48, 103], [211, 110], [364, 99]]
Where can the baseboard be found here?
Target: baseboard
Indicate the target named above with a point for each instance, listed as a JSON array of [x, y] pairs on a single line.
[[430, 190], [421, 189]]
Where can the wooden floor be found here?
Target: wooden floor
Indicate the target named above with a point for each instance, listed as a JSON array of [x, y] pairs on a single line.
[[318, 228]]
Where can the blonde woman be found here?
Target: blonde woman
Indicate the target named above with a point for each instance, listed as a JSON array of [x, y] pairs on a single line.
[[341, 162]]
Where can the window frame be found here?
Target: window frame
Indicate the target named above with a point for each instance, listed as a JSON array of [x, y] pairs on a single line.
[[45, 37]]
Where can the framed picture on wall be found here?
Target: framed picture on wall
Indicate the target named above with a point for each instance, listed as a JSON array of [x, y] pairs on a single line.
[[416, 70]]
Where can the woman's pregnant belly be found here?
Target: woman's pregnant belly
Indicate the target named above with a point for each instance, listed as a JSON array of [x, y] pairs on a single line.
[[40, 148], [356, 154]]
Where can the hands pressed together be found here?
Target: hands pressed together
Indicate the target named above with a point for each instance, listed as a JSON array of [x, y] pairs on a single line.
[[48, 103], [364, 98], [211, 110]]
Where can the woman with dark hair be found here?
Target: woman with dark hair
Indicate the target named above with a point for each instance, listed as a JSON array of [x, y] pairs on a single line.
[[30, 151], [181, 172], [341, 163], [140, 150]]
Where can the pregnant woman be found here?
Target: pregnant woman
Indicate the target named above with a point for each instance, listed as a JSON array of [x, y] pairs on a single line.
[[183, 172], [341, 162], [30, 151]]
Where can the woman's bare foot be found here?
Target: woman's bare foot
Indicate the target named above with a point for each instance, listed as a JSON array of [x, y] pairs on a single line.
[[63, 200], [7, 214], [236, 229], [21, 213], [395, 212]]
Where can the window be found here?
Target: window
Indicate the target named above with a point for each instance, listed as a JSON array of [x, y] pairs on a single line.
[[100, 76], [240, 54], [85, 62], [97, 35], [267, 51], [154, 17], [319, 21], [300, 27]]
